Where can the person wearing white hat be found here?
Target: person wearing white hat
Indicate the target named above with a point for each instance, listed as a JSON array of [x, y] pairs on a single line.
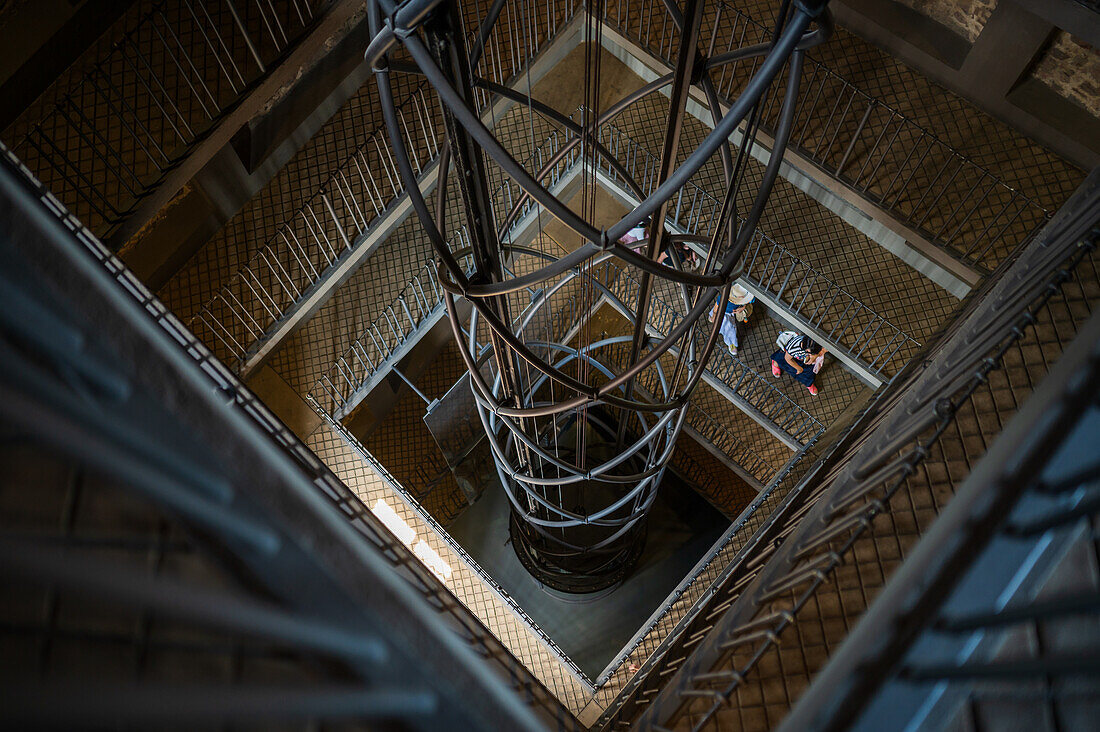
[[738, 309]]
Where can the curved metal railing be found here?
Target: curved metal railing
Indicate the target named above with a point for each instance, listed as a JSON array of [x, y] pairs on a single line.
[[744, 382], [341, 387]]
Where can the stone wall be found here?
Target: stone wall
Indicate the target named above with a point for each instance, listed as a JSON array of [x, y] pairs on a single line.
[[965, 17], [1071, 68]]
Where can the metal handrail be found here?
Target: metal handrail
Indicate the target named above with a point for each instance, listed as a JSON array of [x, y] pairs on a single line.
[[976, 578], [828, 512], [700, 590], [342, 384], [336, 218], [903, 167], [397, 325], [789, 283], [207, 56], [318, 235], [710, 429], [453, 545], [340, 387], [302, 471], [742, 380], [723, 439]]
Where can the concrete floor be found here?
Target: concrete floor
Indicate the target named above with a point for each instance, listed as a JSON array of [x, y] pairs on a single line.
[[680, 529]]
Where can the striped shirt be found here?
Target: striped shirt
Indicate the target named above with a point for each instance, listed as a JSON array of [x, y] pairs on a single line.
[[794, 344]]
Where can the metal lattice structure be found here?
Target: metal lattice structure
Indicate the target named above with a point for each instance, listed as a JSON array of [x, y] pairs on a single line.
[[179, 525], [582, 424]]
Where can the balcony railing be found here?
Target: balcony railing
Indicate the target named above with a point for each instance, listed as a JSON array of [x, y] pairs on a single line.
[[826, 514], [892, 161], [357, 201], [788, 282], [1010, 560], [722, 438], [257, 502], [454, 546], [400, 323], [742, 381], [113, 135], [317, 236]]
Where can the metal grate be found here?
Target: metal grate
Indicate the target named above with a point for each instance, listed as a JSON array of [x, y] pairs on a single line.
[[250, 496], [110, 137], [845, 510]]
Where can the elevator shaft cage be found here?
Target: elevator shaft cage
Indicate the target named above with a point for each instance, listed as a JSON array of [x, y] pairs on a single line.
[[582, 424]]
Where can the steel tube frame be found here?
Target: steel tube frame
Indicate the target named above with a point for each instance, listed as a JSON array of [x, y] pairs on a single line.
[[509, 407]]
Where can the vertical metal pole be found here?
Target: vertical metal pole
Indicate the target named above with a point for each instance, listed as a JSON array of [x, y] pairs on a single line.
[[447, 45], [677, 107]]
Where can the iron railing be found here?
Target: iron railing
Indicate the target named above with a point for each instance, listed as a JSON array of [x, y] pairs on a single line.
[[441, 533], [752, 388], [891, 160], [718, 435], [254, 492], [341, 387], [400, 323], [789, 283], [845, 322], [516, 38], [1009, 560], [725, 441], [420, 304], [357, 197], [431, 470], [820, 522], [354, 204], [745, 382], [112, 136], [695, 592]]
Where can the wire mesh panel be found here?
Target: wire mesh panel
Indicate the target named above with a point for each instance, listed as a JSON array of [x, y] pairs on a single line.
[[180, 557], [878, 489], [110, 137], [317, 236], [997, 608], [876, 150]]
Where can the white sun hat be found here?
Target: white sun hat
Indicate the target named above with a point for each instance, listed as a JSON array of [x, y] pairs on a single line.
[[740, 296]]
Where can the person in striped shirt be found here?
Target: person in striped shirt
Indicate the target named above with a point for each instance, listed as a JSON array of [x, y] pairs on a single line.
[[798, 355]]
